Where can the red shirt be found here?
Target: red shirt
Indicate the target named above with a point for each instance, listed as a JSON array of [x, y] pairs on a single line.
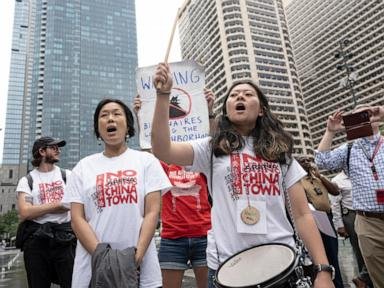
[[185, 211]]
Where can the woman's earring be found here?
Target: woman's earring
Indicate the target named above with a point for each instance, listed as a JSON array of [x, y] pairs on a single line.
[[99, 141]]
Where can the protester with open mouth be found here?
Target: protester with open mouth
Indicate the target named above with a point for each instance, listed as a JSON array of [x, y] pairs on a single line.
[[115, 203], [243, 163]]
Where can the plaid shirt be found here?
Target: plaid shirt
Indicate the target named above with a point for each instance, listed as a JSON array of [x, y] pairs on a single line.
[[364, 185]]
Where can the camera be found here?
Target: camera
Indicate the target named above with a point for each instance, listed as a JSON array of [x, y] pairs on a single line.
[[358, 125]]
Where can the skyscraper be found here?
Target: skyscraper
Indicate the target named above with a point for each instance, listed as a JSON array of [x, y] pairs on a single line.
[[80, 52], [237, 39], [321, 29], [17, 90], [16, 85]]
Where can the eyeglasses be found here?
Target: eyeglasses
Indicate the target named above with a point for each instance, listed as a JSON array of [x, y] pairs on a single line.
[[54, 148]]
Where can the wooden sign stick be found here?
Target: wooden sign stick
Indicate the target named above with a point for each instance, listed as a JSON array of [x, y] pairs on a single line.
[[172, 35], [159, 84]]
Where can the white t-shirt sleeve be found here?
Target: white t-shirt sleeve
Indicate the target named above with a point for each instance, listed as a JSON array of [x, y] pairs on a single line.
[[23, 186], [67, 174], [155, 177], [294, 174], [201, 155], [74, 187]]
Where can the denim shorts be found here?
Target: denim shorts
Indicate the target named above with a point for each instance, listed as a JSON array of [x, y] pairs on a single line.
[[183, 253]]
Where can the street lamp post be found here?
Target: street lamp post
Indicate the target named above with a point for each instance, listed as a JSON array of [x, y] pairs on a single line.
[[351, 76]]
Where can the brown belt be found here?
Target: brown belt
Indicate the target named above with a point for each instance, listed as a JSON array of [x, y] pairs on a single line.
[[371, 214]]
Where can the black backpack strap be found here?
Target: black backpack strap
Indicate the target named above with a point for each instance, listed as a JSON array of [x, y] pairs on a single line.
[[63, 175], [349, 147], [30, 181]]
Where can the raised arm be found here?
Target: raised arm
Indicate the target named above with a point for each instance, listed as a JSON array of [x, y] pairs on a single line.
[[171, 152], [210, 98], [334, 125]]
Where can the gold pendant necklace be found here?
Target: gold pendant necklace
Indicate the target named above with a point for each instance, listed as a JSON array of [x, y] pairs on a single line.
[[250, 215]]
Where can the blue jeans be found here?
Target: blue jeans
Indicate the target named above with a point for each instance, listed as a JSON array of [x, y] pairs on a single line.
[[211, 278], [183, 253]]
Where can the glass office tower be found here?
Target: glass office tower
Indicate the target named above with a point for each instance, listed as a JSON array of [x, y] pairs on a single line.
[[17, 84], [79, 52]]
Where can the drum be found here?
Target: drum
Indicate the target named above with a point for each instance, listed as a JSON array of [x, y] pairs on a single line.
[[263, 266]]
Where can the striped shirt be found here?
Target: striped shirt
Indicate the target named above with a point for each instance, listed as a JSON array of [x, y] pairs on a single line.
[[364, 185]]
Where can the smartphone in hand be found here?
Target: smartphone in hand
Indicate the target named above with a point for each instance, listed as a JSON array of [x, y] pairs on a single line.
[[357, 125]]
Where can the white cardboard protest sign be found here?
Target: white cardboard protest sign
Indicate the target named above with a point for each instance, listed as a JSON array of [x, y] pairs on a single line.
[[188, 111]]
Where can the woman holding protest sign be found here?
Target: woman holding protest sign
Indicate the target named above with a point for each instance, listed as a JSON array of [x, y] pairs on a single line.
[[243, 162], [115, 202], [185, 219]]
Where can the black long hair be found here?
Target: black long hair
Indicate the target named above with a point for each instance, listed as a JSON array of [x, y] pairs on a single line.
[[271, 141], [128, 116]]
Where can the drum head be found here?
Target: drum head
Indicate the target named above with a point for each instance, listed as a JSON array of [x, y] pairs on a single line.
[[255, 266]]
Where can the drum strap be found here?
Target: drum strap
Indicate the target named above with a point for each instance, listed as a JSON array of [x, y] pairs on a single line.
[[284, 170], [303, 281]]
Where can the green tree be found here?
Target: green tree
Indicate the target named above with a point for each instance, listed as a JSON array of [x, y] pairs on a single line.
[[9, 222]]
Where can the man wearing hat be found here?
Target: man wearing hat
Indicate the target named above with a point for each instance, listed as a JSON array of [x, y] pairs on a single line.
[[48, 240]]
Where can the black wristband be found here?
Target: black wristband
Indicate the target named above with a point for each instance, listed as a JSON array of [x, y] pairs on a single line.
[[159, 92]]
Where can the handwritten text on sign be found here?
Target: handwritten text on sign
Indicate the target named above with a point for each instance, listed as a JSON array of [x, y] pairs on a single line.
[[188, 113]]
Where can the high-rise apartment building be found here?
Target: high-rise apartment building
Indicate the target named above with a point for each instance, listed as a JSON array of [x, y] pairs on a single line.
[[237, 39], [321, 29]]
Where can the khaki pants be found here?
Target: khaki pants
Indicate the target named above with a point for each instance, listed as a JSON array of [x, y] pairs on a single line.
[[370, 232]]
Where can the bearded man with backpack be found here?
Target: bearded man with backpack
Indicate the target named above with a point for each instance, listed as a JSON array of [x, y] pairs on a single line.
[[45, 234]]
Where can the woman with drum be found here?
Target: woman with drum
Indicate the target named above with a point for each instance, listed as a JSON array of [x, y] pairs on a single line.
[[243, 163]]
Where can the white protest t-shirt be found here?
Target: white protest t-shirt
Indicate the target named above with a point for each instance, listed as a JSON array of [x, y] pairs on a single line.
[[112, 191], [48, 187], [239, 179]]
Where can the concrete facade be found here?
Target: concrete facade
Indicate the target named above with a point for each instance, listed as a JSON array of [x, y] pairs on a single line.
[[316, 29], [238, 39]]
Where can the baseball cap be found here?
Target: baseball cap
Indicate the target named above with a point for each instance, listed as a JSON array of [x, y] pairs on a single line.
[[45, 141]]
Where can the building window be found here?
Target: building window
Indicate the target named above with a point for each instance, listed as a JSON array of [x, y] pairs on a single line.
[[10, 174]]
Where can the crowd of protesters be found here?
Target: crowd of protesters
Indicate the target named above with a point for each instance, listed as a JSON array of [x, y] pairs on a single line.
[[239, 188]]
